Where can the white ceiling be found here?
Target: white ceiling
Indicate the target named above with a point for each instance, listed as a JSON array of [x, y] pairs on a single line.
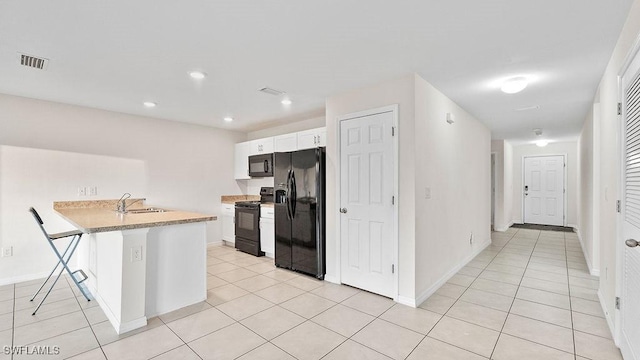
[[116, 54]]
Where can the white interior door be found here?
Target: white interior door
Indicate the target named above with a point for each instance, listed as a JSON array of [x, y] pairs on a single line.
[[629, 339], [544, 190], [366, 196]]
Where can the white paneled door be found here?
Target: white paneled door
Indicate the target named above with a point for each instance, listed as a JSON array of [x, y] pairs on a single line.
[[629, 339], [544, 190], [366, 203]]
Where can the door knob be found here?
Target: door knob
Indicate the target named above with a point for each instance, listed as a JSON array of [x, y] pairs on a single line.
[[343, 210], [632, 243]]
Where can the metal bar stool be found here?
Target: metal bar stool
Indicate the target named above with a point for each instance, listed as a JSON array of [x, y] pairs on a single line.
[[62, 259]]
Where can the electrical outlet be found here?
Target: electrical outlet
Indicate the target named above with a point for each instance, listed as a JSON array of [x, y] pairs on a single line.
[[427, 193], [7, 251], [136, 253], [93, 191], [82, 191]]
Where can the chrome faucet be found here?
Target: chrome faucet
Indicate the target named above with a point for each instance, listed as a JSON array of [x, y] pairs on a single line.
[[122, 206]]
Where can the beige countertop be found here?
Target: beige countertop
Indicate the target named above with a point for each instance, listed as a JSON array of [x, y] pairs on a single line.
[[104, 218], [232, 199]]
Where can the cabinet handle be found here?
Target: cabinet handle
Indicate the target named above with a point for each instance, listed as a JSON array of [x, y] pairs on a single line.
[[318, 139], [314, 140]]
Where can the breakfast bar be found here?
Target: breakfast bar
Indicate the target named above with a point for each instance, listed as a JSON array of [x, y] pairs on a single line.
[[142, 262]]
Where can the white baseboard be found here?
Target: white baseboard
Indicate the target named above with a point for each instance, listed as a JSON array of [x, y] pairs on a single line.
[[433, 288], [607, 316], [592, 270], [215, 243], [23, 278], [404, 300], [332, 279], [120, 328], [504, 228]]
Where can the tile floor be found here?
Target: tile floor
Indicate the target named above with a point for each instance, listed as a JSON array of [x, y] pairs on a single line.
[[527, 296]]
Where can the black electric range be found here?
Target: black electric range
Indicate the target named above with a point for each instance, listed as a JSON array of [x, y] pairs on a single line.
[[247, 224]]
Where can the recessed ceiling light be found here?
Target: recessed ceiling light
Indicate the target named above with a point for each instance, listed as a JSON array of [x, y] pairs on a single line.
[[514, 85], [197, 75], [286, 101], [228, 119], [149, 104], [542, 143]]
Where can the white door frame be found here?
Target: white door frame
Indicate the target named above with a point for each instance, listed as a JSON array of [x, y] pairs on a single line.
[[616, 327], [564, 194], [395, 245]]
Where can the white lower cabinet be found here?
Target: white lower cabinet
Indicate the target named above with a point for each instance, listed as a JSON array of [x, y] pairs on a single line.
[[267, 231], [229, 223]]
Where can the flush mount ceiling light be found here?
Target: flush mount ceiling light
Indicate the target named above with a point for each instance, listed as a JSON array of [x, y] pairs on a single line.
[[538, 132], [149, 104], [228, 119], [198, 75], [542, 143], [514, 85], [286, 101]]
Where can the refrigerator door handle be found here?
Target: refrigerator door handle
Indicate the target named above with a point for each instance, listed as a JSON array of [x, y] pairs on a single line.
[[294, 194], [288, 197]]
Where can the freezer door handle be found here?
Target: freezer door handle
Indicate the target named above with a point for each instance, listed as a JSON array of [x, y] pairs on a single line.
[[294, 194], [288, 196]]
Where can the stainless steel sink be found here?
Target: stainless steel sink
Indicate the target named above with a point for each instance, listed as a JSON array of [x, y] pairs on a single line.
[[145, 211]]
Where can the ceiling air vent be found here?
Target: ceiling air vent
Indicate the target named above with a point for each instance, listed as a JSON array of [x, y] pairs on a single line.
[[33, 61], [270, 91]]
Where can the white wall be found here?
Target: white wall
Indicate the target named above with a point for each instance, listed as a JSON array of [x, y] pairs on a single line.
[[187, 166], [301, 125], [35, 177], [558, 148], [508, 184], [607, 160], [504, 184], [454, 160], [402, 92], [587, 214]]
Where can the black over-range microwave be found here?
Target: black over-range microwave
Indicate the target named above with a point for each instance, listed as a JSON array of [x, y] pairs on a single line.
[[261, 165]]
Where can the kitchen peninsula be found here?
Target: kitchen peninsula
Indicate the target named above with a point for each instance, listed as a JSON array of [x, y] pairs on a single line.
[[141, 263]]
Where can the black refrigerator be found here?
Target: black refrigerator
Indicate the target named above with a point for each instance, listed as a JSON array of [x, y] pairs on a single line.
[[299, 201]]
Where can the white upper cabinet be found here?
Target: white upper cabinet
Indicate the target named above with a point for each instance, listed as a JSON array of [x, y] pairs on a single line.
[[312, 138], [308, 139], [287, 142], [241, 157], [261, 146]]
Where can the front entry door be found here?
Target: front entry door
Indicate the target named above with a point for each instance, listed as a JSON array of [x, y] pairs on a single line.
[[544, 190], [629, 339], [366, 203]]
